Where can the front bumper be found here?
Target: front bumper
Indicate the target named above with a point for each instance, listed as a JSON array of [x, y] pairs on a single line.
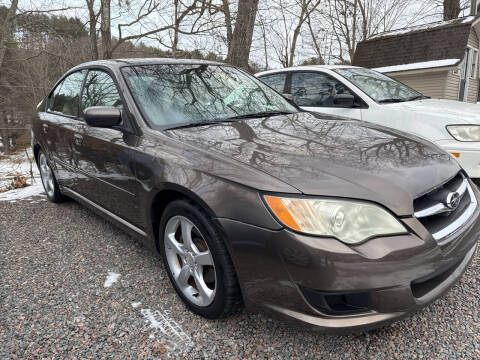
[[394, 276], [469, 155]]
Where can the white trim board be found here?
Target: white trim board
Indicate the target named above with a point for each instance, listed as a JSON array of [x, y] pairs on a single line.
[[418, 66]]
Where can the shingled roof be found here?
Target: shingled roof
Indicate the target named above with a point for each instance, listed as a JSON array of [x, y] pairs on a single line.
[[435, 41]]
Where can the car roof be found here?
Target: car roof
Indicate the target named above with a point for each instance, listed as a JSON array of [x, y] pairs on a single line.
[[306, 67], [146, 61]]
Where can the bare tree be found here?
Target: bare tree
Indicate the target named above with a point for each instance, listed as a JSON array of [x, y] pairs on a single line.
[[188, 19], [352, 21], [41, 47], [105, 28], [280, 33], [150, 25], [179, 16], [225, 9], [307, 7], [451, 9], [7, 29], [315, 41], [92, 23], [291, 17], [263, 24], [241, 38]]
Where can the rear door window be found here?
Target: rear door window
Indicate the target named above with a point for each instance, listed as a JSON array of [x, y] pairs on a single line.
[[65, 97], [316, 89], [100, 90], [275, 81]]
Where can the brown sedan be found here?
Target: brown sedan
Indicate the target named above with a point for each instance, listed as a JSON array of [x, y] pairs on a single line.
[[333, 222]]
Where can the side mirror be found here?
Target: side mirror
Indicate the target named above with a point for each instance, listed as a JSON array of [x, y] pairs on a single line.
[[102, 116], [344, 100]]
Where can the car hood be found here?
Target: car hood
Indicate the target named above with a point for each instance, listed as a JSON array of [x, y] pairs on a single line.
[[328, 156], [448, 111]]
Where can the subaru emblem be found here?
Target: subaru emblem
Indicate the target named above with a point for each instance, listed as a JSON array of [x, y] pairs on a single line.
[[453, 200]]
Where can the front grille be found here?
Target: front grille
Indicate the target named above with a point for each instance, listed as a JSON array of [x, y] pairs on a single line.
[[438, 212]]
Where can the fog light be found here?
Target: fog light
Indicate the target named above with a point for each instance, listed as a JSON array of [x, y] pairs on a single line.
[[333, 303]]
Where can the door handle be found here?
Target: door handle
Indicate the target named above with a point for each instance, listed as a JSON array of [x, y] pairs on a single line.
[[78, 139], [45, 127]]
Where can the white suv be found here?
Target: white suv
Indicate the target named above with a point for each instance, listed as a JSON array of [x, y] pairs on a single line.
[[368, 95]]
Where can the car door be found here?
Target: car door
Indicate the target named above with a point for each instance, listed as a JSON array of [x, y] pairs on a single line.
[[59, 125], [106, 162], [315, 91]]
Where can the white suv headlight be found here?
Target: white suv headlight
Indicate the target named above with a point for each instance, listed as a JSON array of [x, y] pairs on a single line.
[[465, 132], [351, 222]]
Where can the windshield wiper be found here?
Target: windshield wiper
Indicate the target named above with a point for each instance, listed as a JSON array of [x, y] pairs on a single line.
[[418, 97], [195, 124], [392, 100], [229, 119], [259, 115]]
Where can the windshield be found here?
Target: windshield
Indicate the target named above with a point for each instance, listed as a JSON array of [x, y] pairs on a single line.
[[379, 87], [175, 95]]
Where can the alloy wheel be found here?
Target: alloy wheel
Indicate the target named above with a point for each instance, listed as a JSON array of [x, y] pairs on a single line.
[[47, 175], [190, 261]]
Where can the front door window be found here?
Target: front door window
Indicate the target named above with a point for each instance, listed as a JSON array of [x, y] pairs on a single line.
[[316, 89], [100, 90], [276, 81]]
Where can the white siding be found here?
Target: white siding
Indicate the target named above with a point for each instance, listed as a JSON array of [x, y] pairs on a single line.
[[428, 83], [472, 90], [452, 86]]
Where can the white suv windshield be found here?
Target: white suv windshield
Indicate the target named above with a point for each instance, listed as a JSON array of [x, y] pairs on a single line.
[[379, 87], [174, 95]]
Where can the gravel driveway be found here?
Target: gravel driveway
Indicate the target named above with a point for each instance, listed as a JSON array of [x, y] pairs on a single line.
[[74, 286]]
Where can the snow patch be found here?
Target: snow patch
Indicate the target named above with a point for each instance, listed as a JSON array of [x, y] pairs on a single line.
[[167, 331], [23, 193], [21, 163], [111, 279], [136, 304], [417, 66]]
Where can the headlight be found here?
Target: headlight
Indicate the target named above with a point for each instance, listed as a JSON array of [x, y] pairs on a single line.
[[465, 132], [349, 221]]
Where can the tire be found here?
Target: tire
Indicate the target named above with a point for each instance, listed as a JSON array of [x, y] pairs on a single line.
[[49, 182], [214, 300]]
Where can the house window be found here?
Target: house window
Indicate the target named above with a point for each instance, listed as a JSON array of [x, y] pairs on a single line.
[[474, 64]]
